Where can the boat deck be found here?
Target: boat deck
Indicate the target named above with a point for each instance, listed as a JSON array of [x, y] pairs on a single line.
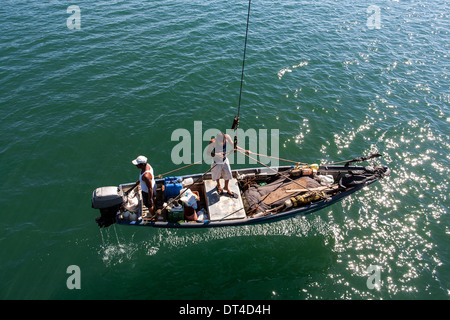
[[224, 207], [218, 208], [274, 189]]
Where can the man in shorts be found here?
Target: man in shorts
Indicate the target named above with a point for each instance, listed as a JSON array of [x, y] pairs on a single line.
[[221, 165], [147, 182]]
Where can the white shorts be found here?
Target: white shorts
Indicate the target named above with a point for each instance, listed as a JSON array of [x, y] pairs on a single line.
[[221, 170]]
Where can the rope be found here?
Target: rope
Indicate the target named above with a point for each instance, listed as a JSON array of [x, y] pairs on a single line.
[[243, 60], [266, 156], [253, 211], [287, 177], [159, 176], [360, 159], [221, 153]]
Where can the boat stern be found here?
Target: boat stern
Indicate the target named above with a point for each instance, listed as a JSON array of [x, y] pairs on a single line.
[[108, 200]]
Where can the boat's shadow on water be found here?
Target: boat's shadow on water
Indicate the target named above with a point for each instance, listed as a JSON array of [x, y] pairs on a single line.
[[269, 261]]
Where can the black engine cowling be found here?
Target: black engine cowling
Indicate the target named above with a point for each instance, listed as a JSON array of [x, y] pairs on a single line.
[[108, 200]]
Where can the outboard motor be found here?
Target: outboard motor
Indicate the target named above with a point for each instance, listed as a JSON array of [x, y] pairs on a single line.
[[108, 200]]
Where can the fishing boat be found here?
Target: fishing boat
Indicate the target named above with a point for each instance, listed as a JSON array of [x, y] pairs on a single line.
[[258, 195]]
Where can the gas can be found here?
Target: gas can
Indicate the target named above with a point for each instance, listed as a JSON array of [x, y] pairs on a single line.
[[172, 186]]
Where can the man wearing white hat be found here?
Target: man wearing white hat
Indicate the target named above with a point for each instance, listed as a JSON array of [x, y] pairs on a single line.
[[147, 182]]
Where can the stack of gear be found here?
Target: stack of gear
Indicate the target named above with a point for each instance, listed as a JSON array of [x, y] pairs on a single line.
[[261, 198], [131, 207]]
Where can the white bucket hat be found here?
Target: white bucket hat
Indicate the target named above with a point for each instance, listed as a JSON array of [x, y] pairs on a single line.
[[139, 160]]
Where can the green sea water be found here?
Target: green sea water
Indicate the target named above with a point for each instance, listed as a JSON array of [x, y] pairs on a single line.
[[78, 104]]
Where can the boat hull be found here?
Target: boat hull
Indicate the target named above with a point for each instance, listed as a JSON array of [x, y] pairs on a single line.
[[262, 218]]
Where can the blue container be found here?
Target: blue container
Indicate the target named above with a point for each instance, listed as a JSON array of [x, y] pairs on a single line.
[[172, 187]]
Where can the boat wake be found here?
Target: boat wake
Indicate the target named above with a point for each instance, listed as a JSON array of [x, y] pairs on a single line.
[[115, 251], [119, 246]]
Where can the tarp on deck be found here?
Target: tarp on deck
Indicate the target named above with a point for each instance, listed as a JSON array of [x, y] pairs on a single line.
[[261, 198]]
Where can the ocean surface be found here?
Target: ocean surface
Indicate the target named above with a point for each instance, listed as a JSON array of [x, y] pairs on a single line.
[[82, 93]]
